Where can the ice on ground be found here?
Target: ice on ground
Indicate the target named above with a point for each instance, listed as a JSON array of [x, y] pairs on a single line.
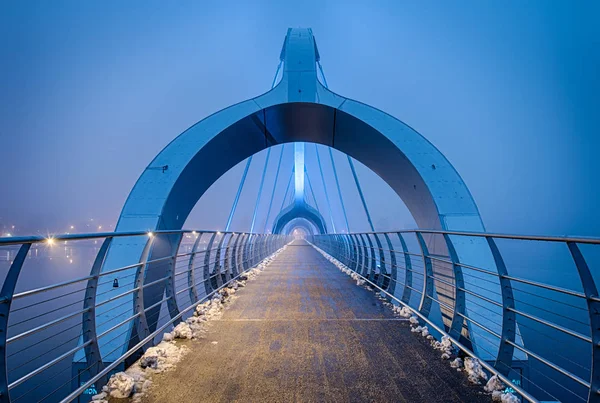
[[120, 385], [493, 384], [414, 320], [474, 370], [404, 311], [456, 363], [182, 331], [445, 346], [162, 356], [498, 396], [420, 329]]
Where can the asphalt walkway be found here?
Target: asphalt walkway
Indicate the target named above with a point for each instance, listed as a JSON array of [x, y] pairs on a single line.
[[302, 331]]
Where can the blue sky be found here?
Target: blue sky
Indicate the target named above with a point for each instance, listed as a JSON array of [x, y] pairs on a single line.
[[508, 91]]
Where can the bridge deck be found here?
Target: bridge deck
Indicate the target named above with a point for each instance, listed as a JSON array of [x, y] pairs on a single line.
[[303, 331]]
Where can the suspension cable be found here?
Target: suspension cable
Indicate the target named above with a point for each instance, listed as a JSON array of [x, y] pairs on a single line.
[[260, 188], [362, 197], [337, 182], [237, 196], [274, 187], [325, 188]]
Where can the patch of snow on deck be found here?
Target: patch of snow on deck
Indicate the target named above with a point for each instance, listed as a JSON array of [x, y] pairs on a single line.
[[135, 381]]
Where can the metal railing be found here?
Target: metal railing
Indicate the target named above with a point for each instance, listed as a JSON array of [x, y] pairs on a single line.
[[68, 319], [526, 306]]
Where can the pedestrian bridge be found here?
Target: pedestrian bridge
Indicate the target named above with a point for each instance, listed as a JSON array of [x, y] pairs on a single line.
[[524, 308]]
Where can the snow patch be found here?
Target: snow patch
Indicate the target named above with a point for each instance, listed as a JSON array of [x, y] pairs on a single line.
[[120, 385], [498, 396], [456, 363], [182, 331], [135, 382], [404, 311], [420, 329], [445, 346], [474, 370], [493, 384]]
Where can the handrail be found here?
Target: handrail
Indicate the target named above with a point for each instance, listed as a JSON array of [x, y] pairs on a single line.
[[505, 326], [18, 240], [50, 320], [521, 237], [484, 315]]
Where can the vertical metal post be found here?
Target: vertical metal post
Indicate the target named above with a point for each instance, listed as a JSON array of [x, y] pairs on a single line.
[[191, 275], [218, 276], [239, 259], [373, 268], [459, 295], [349, 250], [6, 295], [235, 255], [229, 252], [383, 281], [509, 321], [427, 292], [407, 271], [246, 255], [358, 257], [365, 262], [208, 286], [591, 293], [391, 287], [170, 291], [337, 183], [93, 357], [141, 323]]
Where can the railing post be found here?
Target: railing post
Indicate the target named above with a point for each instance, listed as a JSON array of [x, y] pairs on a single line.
[[6, 295], [407, 270], [591, 293], [245, 257], [357, 253], [89, 332], [218, 282], [208, 284], [346, 249], [373, 259], [509, 321], [141, 323], [229, 256], [170, 291], [365, 257], [382, 281], [191, 275], [391, 288], [239, 259], [459, 294], [427, 292]]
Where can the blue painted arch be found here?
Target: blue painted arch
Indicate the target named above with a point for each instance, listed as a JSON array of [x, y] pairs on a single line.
[[299, 108]]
